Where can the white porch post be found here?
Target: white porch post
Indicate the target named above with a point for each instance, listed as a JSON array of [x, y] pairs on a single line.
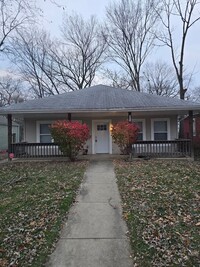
[[9, 119]]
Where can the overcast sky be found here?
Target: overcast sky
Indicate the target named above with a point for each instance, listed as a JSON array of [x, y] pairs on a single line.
[[52, 19]]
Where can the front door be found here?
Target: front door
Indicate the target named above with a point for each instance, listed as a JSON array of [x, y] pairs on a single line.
[[102, 137]]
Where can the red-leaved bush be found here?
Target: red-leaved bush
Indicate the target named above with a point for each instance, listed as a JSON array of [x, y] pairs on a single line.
[[124, 134], [70, 136]]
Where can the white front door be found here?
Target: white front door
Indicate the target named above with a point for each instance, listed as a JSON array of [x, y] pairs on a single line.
[[101, 137]]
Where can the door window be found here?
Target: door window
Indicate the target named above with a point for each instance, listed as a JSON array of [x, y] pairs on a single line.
[[101, 127]]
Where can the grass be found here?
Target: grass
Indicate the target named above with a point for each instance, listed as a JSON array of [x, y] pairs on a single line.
[[34, 200], [3, 155], [161, 204]]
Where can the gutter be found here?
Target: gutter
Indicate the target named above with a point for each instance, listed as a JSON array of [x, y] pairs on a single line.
[[42, 111]]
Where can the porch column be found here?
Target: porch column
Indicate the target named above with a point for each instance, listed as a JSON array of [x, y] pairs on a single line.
[[191, 131], [69, 116], [9, 119]]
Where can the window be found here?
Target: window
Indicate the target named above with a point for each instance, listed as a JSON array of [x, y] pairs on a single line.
[[45, 135], [101, 127], [160, 129], [141, 131]]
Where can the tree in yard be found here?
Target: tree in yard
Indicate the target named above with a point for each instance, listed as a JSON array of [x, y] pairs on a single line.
[[160, 79], [70, 137], [124, 134], [81, 52], [130, 31], [187, 14], [11, 91], [14, 15], [117, 79], [31, 53]]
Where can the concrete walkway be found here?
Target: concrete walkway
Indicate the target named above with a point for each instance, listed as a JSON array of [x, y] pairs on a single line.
[[95, 234]]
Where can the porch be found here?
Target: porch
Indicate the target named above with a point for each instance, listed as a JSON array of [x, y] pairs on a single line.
[[155, 149]]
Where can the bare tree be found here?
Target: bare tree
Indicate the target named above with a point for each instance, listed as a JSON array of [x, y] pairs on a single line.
[[186, 12], [82, 52], [195, 94], [117, 79], [160, 79], [54, 66], [131, 34], [31, 52], [14, 14], [11, 91]]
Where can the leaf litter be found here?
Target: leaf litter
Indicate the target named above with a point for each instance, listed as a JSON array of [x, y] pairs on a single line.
[[34, 200], [161, 206]]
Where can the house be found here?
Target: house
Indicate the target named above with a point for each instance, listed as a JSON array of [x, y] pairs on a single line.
[[4, 133], [196, 129], [100, 107]]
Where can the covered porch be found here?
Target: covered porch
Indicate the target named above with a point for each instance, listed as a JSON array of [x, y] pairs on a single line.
[[146, 146]]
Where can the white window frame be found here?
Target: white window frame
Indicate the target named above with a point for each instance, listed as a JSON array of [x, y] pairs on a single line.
[[38, 123], [143, 127], [168, 127]]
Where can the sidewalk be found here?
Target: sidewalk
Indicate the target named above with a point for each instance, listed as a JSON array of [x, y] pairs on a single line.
[[95, 234]]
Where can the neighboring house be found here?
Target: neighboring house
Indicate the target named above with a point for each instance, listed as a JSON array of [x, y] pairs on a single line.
[[196, 128], [100, 107], [4, 133]]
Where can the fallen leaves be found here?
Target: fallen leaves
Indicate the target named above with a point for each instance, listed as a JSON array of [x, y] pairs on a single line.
[[32, 209], [161, 206]]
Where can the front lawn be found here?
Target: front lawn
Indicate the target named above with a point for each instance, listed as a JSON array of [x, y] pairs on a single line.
[[34, 200], [161, 204]]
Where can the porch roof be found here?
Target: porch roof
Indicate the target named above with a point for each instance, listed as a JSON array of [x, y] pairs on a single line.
[[100, 98]]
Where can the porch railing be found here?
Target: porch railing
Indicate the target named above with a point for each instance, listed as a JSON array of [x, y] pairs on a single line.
[[36, 150], [173, 148]]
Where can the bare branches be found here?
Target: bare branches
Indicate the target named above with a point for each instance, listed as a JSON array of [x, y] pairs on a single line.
[[82, 52], [14, 14], [10, 91], [118, 79], [188, 16], [54, 66], [31, 52], [160, 79], [131, 35]]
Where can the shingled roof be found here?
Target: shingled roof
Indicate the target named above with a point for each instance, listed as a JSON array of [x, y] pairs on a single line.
[[100, 98]]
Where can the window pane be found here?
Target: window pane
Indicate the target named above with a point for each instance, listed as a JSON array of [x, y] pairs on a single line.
[[140, 137], [139, 124], [45, 138], [44, 129], [160, 126], [160, 136], [102, 127]]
